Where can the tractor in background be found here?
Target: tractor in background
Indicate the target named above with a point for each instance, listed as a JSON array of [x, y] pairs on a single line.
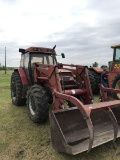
[[114, 70], [113, 73]]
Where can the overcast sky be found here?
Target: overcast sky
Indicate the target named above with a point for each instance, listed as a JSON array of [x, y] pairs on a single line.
[[83, 29]]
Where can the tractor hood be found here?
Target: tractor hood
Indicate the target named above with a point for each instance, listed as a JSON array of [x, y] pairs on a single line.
[[68, 75]]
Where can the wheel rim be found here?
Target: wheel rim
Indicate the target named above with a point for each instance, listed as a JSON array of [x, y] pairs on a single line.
[[13, 96], [117, 86], [32, 107]]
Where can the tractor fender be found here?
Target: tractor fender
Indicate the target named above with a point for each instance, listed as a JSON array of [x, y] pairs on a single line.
[[22, 75], [96, 69]]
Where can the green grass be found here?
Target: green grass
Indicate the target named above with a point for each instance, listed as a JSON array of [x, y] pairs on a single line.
[[23, 140], [5, 79]]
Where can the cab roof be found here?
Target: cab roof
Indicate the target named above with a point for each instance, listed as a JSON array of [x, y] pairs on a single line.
[[36, 49], [116, 46]]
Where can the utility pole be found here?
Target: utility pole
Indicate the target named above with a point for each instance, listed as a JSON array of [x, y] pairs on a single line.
[[5, 60]]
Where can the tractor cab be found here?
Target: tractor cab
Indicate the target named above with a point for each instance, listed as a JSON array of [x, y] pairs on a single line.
[[114, 66], [114, 70], [116, 53], [38, 55]]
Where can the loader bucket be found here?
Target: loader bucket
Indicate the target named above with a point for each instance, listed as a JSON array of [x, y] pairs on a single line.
[[72, 134]]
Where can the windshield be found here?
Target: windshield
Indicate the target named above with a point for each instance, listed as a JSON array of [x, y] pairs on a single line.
[[117, 55], [41, 58]]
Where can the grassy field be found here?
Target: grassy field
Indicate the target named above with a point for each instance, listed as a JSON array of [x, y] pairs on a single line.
[[23, 140]]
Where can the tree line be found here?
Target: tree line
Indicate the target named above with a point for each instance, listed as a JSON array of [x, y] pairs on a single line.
[[95, 64], [8, 68]]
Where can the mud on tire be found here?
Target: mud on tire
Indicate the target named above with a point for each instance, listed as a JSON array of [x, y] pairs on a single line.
[[16, 90], [37, 103]]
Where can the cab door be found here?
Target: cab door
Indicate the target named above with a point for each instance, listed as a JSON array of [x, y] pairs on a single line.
[[26, 66]]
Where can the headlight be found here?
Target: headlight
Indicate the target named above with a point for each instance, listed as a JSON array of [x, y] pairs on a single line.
[[71, 78]]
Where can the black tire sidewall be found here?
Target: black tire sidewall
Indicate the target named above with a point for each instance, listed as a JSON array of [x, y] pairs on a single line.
[[97, 81], [92, 81], [41, 104], [18, 101]]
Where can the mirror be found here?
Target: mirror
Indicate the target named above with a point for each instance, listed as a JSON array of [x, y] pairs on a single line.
[[21, 50], [63, 55]]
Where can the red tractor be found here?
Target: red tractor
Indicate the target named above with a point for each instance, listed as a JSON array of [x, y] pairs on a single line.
[[76, 123]]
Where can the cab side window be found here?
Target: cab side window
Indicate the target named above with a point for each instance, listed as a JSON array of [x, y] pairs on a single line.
[[22, 60], [117, 55], [26, 60]]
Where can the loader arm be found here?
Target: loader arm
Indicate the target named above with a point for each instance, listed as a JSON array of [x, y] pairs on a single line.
[[104, 91]]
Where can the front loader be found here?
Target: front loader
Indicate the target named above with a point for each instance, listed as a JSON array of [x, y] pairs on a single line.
[[76, 124]]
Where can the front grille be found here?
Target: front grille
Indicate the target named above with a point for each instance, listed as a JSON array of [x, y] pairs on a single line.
[[66, 74]]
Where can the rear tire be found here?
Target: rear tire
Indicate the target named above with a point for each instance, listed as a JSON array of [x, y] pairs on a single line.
[[16, 90], [97, 81], [116, 85], [92, 81], [37, 103]]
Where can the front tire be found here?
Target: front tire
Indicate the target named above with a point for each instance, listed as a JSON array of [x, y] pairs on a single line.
[[16, 90], [37, 103]]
